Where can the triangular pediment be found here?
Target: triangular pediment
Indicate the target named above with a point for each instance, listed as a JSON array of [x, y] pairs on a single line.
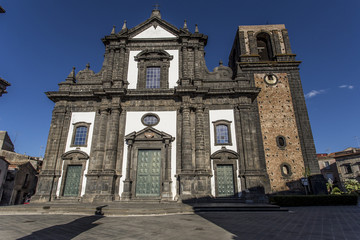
[[154, 28], [154, 32], [148, 133]]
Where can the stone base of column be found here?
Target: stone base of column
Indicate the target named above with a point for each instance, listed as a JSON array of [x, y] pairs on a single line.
[[202, 185], [126, 195], [40, 198], [166, 194], [194, 185]]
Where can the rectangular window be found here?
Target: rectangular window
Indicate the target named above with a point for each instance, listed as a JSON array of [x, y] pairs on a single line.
[[222, 134], [327, 165], [80, 136], [153, 77], [347, 168]]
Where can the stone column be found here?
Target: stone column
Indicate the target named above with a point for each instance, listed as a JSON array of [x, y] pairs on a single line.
[[199, 139], [275, 34], [48, 177], [166, 193], [252, 43], [186, 159], [240, 145], [112, 140], [286, 41], [126, 195], [100, 145]]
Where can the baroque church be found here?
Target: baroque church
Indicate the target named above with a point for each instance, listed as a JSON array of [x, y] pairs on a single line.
[[156, 124]]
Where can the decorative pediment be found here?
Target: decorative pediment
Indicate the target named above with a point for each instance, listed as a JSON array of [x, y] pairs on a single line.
[[75, 155], [148, 54], [224, 154], [85, 75], [149, 134], [154, 32], [154, 28], [220, 73]]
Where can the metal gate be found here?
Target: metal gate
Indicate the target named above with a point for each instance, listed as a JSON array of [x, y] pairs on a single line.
[[225, 180], [148, 173], [72, 182]]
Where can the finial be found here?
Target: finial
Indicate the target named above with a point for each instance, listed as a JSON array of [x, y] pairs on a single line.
[[88, 66], [220, 62], [113, 30], [156, 12], [71, 76], [196, 28], [124, 26], [156, 6], [185, 25]]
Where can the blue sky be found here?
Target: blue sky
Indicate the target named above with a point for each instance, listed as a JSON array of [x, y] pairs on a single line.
[[41, 40]]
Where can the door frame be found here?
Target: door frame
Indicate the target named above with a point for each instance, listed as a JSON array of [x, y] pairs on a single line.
[[225, 157], [149, 139]]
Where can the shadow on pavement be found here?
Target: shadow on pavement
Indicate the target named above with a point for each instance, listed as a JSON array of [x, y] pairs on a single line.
[[65, 231]]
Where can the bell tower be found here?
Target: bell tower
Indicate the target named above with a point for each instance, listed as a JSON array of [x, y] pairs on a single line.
[[261, 57]]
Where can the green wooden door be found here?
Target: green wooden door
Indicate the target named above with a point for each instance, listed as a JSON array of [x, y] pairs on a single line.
[[225, 180], [148, 173], [72, 181]]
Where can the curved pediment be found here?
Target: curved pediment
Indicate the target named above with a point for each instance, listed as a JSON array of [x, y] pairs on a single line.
[[75, 155], [154, 54], [224, 154]]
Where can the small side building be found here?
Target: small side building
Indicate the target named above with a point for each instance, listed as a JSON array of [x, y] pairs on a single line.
[[348, 164], [18, 173], [20, 183], [3, 172], [328, 168]]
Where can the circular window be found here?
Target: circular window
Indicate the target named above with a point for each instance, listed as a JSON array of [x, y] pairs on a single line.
[[270, 79], [150, 119]]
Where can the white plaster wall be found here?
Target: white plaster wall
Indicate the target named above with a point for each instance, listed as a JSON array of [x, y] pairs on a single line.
[[88, 117], [216, 115], [153, 32], [167, 124], [132, 75], [228, 115]]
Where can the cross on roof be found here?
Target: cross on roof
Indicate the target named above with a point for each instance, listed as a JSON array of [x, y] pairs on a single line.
[[156, 6]]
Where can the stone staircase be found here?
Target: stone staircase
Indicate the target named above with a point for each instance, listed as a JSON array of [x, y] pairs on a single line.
[[137, 208]]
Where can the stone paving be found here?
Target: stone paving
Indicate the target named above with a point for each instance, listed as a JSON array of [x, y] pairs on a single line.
[[342, 222]]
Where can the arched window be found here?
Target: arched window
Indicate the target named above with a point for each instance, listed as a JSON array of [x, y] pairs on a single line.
[[222, 132], [264, 47], [80, 134]]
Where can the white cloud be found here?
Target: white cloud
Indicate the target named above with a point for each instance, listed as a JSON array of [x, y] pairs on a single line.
[[313, 93], [346, 86]]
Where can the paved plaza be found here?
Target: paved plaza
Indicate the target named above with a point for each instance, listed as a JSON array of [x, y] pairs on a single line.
[[318, 223]]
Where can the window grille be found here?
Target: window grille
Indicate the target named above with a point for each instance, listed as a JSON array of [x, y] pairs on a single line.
[[80, 136], [222, 134], [153, 77]]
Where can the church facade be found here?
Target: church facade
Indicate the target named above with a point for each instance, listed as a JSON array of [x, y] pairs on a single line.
[[156, 124]]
